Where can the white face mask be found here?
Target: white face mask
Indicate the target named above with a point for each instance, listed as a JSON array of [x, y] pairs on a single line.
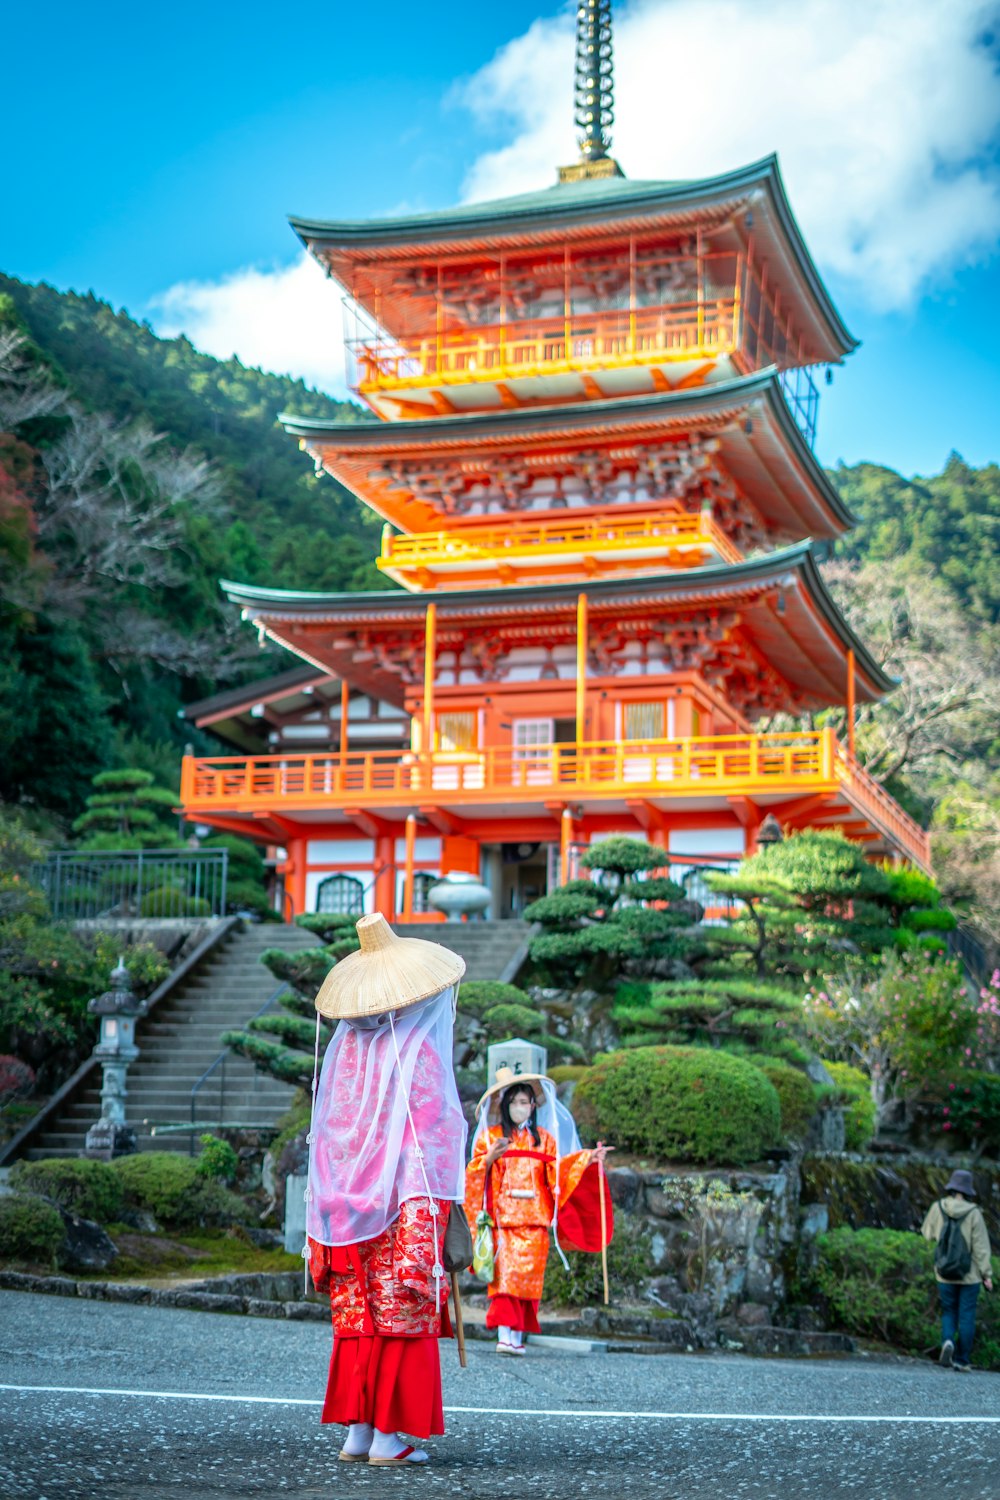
[[520, 1110]]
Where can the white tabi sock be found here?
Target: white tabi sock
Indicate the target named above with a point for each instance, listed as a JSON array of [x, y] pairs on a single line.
[[505, 1335], [391, 1445], [359, 1438], [516, 1337]]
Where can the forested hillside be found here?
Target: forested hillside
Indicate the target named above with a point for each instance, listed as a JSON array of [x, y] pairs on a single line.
[[135, 472]]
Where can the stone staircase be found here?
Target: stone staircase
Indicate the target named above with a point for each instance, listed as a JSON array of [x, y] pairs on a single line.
[[179, 1040], [490, 949]]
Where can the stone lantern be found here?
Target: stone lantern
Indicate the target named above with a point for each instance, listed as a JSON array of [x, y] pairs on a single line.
[[118, 1009]]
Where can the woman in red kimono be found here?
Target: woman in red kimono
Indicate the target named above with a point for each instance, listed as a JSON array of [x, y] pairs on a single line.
[[530, 1174], [387, 1148]]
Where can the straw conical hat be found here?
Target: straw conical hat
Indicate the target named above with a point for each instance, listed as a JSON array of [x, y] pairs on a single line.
[[506, 1077], [389, 973]]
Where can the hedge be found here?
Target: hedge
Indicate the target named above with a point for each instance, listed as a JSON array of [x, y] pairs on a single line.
[[797, 1094], [680, 1104], [30, 1229], [90, 1189], [478, 995], [879, 1283], [175, 1192]]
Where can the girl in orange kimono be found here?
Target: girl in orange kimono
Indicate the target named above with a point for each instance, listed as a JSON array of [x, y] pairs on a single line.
[[531, 1178]]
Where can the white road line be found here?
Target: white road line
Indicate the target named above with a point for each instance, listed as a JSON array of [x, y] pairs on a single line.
[[506, 1411]]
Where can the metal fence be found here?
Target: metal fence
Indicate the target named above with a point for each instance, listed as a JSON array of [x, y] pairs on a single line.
[[122, 884], [972, 954]]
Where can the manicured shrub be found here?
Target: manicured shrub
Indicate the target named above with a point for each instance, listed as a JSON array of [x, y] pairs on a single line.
[[169, 901], [879, 1283], [479, 995], [172, 1189], [30, 1229], [502, 1021], [91, 1189], [217, 1159], [854, 1092], [796, 1094], [680, 1104]]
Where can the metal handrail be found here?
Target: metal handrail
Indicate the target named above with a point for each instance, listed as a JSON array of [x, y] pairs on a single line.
[[220, 1061]]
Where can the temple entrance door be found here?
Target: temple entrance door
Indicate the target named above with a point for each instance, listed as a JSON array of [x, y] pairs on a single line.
[[519, 874]]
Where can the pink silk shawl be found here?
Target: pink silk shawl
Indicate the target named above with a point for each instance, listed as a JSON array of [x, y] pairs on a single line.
[[386, 1094]]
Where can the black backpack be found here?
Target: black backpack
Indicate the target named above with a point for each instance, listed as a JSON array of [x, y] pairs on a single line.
[[952, 1258]]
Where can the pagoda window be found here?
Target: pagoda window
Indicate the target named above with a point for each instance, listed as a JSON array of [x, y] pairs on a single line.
[[532, 756], [458, 730], [343, 894], [645, 721]]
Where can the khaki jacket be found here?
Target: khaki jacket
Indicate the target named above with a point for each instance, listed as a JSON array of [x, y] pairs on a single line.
[[974, 1233]]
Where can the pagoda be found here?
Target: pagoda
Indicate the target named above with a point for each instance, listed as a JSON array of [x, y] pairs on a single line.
[[593, 457]]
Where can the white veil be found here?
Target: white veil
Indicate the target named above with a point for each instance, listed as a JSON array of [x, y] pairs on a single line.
[[550, 1115], [387, 1122]]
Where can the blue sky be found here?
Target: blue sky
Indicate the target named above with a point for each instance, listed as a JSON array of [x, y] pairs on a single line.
[[160, 151]]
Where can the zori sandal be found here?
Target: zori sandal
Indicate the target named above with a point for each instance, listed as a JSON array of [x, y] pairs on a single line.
[[409, 1455]]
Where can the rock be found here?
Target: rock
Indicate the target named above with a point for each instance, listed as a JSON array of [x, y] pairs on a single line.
[[140, 1220], [87, 1246], [817, 1073], [752, 1315], [806, 1319], [827, 1130], [813, 1220], [260, 1307], [266, 1239], [626, 1188], [307, 1312]]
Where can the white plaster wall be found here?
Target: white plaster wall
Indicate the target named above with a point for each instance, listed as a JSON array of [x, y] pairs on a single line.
[[341, 852]]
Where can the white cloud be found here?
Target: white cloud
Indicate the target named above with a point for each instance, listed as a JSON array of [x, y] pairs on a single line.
[[287, 320], [886, 115]]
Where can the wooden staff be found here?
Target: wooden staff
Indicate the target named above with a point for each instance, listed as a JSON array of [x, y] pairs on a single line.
[[604, 1230], [459, 1325]]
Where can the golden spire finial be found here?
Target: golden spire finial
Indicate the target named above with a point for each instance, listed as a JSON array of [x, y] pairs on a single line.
[[593, 93]]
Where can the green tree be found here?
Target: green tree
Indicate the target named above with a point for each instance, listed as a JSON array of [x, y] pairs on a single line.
[[810, 897], [127, 811], [625, 915]]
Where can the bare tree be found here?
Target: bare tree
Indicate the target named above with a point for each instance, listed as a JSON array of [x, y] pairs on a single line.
[[26, 391], [945, 707]]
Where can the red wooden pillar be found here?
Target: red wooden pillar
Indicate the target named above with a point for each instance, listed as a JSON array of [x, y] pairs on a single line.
[[295, 875], [385, 878]]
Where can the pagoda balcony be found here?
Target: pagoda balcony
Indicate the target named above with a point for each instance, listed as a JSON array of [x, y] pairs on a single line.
[[554, 551], [806, 776], [721, 313]]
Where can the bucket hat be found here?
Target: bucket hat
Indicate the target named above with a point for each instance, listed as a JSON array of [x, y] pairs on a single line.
[[387, 973], [961, 1182]]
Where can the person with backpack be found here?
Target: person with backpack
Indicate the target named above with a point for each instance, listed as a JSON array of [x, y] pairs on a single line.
[[961, 1265]]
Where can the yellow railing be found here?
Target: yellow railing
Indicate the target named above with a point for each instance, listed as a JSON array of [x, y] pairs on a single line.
[[727, 765], [685, 330], [881, 809], [539, 545]]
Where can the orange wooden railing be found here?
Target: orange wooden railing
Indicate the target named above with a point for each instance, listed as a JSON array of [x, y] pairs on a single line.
[[707, 322], [486, 545], [731, 765]]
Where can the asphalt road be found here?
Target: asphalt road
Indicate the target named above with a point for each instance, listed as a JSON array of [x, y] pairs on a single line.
[[137, 1403]]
